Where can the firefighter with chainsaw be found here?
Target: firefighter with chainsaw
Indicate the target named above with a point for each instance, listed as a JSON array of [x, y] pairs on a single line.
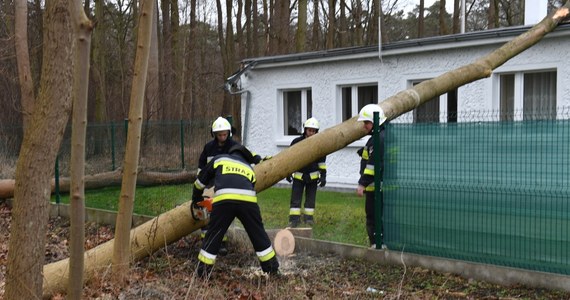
[[220, 144], [306, 179], [233, 179], [366, 182]]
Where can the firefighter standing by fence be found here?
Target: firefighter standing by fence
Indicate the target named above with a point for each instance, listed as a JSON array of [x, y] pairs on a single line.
[[366, 181], [233, 179], [306, 179]]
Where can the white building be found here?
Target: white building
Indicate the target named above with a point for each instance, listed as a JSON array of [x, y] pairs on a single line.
[[279, 93]]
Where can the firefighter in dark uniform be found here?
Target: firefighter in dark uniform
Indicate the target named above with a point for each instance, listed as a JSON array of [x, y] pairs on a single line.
[[234, 197], [306, 179], [366, 181], [221, 144]]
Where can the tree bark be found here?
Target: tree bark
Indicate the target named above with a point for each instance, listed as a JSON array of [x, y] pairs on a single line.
[[331, 28], [121, 249], [177, 223], [421, 29], [23, 61], [34, 168], [301, 34], [82, 29]]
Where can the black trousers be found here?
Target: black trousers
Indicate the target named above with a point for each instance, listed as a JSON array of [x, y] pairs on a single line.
[[310, 189], [223, 214], [369, 208]]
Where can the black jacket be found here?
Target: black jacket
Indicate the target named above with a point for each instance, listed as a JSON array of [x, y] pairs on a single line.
[[312, 170], [232, 176]]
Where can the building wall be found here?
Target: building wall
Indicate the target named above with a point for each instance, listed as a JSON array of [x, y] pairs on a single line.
[[392, 73]]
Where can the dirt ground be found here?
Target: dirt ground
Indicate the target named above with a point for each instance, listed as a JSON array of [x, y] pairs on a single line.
[[169, 274]]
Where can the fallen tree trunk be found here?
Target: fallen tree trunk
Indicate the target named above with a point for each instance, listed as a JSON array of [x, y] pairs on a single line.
[[114, 178], [177, 223]]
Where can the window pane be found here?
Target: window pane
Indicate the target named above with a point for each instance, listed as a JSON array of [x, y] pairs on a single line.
[[292, 108], [346, 103], [539, 96], [428, 112], [367, 95], [507, 97]]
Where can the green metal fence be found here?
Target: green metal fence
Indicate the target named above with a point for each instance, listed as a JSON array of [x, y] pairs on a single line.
[[489, 192], [165, 146]]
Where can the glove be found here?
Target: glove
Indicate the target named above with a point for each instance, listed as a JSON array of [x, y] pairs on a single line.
[[196, 199], [322, 180], [289, 178]]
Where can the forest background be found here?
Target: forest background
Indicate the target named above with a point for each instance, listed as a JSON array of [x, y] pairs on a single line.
[[197, 44]]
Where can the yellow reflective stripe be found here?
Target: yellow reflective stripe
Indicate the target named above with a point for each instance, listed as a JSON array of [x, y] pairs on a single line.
[[266, 254], [206, 257], [309, 211], [369, 170], [239, 197], [294, 211], [365, 154], [199, 185], [369, 188], [209, 158], [298, 175], [315, 175], [230, 166], [322, 166]]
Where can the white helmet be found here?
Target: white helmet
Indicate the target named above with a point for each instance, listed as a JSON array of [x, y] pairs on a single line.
[[311, 123], [367, 113], [221, 124]]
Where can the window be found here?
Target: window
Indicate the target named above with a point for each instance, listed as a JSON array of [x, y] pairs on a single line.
[[431, 111], [533, 93], [354, 97], [297, 107]]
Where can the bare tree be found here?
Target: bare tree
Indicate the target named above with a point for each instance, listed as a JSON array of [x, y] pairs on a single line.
[[301, 33], [421, 29], [493, 15], [34, 168], [442, 14], [82, 28], [331, 24], [315, 28], [122, 247], [456, 15], [23, 59]]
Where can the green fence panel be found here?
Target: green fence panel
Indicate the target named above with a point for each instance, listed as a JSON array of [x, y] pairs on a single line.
[[489, 192]]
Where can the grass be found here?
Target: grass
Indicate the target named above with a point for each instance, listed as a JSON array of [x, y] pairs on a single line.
[[339, 216]]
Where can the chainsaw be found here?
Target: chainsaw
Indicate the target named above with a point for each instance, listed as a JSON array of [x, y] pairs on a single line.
[[201, 210]]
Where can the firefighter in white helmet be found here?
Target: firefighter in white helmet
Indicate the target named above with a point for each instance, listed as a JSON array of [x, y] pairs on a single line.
[[306, 179], [366, 181], [221, 144], [234, 197]]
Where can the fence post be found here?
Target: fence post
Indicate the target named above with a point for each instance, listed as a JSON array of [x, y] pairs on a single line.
[[378, 200], [113, 145], [182, 143]]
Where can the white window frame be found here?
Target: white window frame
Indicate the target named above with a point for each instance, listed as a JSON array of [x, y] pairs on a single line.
[[519, 87], [354, 97], [282, 138]]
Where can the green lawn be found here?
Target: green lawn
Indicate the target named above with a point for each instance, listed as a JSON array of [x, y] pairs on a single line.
[[339, 216]]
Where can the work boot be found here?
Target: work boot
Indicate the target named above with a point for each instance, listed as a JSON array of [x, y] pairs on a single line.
[[294, 221], [204, 271], [271, 267], [223, 249], [308, 220]]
